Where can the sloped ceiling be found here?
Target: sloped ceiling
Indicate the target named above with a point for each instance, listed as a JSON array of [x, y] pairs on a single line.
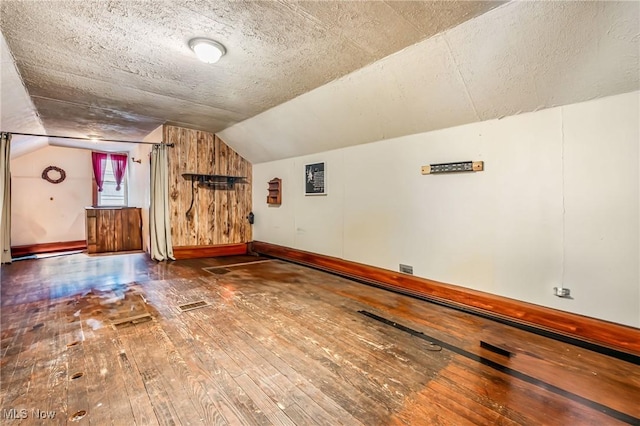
[[517, 58], [301, 77], [17, 112], [119, 69]]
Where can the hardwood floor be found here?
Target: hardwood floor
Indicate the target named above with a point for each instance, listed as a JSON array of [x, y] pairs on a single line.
[[102, 340]]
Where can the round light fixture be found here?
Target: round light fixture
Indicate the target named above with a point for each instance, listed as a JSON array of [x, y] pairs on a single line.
[[206, 50]]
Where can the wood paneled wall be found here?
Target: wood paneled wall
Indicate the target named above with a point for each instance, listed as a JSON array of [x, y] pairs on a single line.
[[117, 229], [219, 214]]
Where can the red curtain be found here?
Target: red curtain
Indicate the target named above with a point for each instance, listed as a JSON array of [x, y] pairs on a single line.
[[119, 164], [99, 161]]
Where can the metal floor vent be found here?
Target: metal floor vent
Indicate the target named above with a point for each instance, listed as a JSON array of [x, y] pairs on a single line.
[[192, 305], [131, 320]]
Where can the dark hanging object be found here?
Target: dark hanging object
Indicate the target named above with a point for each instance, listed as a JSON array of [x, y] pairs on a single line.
[[250, 217], [45, 174], [211, 181]]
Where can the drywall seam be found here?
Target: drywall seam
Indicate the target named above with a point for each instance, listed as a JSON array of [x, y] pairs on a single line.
[[459, 74]]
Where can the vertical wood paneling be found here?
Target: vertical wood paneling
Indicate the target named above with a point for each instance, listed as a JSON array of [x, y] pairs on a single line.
[[221, 167], [101, 229], [119, 229], [218, 215], [189, 164], [189, 160], [238, 200], [205, 199], [128, 225], [183, 187], [247, 201], [176, 210], [232, 201], [92, 231], [108, 228], [114, 230], [132, 221]]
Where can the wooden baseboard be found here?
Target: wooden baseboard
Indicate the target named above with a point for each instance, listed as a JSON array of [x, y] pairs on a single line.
[[194, 252], [574, 326], [29, 249]]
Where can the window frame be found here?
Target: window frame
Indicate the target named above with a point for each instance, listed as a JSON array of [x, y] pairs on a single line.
[[95, 198]]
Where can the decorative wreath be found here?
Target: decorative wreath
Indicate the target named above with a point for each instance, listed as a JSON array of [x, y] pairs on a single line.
[[45, 174]]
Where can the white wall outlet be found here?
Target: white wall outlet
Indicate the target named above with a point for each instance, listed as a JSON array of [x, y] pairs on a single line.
[[562, 292]]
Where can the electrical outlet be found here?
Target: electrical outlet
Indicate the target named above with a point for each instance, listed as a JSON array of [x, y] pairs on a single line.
[[562, 292], [406, 269]]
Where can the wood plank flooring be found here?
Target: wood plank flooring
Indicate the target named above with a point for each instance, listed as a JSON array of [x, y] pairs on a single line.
[[277, 344]]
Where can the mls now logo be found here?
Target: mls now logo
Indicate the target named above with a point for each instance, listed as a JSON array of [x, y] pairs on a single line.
[[41, 414], [14, 414], [21, 414]]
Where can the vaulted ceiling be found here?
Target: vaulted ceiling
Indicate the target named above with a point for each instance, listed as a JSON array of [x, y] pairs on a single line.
[[120, 68], [520, 57], [302, 77]]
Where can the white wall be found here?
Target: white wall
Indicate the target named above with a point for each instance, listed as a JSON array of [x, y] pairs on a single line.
[[558, 203], [37, 219], [139, 187], [42, 212], [140, 181]]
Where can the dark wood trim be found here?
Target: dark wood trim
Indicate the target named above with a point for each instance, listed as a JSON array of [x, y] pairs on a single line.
[[29, 249], [193, 252], [616, 336]]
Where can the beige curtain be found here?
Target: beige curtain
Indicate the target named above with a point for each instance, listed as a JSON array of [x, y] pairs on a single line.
[[159, 222], [5, 198]]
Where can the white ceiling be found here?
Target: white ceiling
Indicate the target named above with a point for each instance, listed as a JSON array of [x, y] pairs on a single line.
[[302, 77], [520, 57], [119, 69], [17, 112]]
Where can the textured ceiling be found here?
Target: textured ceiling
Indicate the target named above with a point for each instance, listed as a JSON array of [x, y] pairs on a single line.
[[119, 69], [520, 57]]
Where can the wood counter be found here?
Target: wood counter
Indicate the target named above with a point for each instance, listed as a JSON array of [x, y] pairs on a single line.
[[113, 229]]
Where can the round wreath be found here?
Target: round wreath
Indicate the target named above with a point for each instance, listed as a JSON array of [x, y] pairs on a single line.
[[45, 174]]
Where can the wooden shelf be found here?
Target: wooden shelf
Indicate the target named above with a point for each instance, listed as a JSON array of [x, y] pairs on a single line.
[[275, 192], [214, 180]]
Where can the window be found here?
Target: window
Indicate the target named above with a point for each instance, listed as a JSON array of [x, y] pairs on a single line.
[[109, 197]]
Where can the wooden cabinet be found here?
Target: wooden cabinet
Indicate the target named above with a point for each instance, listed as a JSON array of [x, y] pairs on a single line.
[[113, 229], [275, 192]]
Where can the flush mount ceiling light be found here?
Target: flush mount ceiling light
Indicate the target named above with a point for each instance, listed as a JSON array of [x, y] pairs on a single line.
[[207, 50]]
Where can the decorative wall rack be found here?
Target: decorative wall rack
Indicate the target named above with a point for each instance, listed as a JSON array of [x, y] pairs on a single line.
[[211, 181], [275, 192], [461, 166]]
